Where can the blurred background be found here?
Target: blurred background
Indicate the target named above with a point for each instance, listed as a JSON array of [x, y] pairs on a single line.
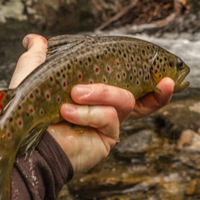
[[158, 157]]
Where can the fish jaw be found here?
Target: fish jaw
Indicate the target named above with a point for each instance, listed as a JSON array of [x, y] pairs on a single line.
[[180, 83]]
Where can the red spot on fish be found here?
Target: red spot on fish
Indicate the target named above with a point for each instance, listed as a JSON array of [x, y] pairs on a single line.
[[37, 91], [124, 74], [51, 79], [145, 66], [128, 65], [31, 95], [138, 59], [118, 76], [91, 82], [8, 134], [31, 110], [96, 69], [108, 68], [140, 73], [134, 70], [47, 96], [86, 63], [117, 62], [42, 112], [150, 57], [58, 99], [1, 96], [104, 80], [79, 76], [64, 84], [20, 122]]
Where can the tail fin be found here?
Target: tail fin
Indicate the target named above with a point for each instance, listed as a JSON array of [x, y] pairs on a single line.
[[5, 98]]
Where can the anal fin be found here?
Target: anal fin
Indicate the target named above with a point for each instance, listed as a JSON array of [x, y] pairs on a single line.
[[32, 139]]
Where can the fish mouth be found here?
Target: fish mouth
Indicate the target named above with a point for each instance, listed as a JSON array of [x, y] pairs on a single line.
[[180, 83]]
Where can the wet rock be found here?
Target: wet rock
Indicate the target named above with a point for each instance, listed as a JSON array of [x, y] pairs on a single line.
[[189, 141], [138, 143], [13, 9]]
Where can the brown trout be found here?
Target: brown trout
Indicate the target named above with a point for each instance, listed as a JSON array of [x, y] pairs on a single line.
[[125, 62]]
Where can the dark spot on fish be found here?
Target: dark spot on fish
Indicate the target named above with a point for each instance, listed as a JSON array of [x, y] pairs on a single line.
[[122, 45], [97, 56], [154, 62], [80, 62], [158, 66], [113, 50], [82, 52], [65, 59], [87, 49], [155, 71], [63, 75], [108, 48], [143, 52], [148, 47], [71, 62], [105, 51], [27, 114], [58, 73], [179, 64], [132, 59], [10, 119], [135, 45], [75, 59], [171, 64], [163, 69], [89, 59], [165, 59], [129, 47], [69, 66], [119, 52], [160, 60], [19, 107], [93, 42], [115, 45], [64, 68], [124, 55]]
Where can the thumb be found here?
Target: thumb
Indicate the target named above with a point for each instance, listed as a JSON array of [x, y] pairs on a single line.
[[35, 55]]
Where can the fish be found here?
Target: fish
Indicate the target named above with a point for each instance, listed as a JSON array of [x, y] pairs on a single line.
[[125, 62]]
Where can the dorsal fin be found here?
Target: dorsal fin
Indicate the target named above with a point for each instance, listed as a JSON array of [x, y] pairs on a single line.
[[6, 96], [58, 44]]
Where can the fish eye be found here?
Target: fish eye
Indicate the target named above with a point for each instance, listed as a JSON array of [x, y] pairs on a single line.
[[179, 64]]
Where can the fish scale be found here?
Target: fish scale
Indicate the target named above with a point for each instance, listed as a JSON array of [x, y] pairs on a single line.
[[125, 62]]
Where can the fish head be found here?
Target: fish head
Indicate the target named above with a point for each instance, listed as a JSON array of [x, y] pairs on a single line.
[[175, 68]]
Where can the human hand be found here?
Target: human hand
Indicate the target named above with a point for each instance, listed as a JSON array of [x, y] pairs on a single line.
[[103, 115]]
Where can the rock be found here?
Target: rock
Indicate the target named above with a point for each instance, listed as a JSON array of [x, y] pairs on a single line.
[[189, 141], [137, 143], [13, 9]]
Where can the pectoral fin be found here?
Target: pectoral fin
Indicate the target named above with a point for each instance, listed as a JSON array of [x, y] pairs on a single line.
[[32, 139]]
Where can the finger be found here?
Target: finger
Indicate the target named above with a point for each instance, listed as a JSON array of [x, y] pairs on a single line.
[[154, 101], [36, 55], [103, 118], [100, 94]]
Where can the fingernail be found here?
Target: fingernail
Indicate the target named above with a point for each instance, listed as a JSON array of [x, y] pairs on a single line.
[[82, 90], [70, 108], [26, 42]]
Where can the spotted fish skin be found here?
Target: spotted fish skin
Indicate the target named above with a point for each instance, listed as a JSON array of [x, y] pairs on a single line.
[[125, 62]]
